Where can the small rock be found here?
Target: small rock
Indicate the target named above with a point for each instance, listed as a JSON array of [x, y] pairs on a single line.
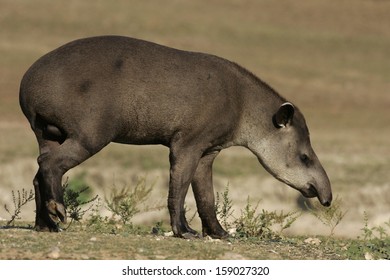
[[313, 241], [93, 239], [211, 240], [168, 234], [274, 252], [368, 256], [232, 256], [54, 253]]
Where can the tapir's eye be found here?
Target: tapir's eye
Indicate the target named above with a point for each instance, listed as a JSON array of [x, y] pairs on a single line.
[[305, 159]]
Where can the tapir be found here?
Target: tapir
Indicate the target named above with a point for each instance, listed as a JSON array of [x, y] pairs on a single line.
[[87, 93]]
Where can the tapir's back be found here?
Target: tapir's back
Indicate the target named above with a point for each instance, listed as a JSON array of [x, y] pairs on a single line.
[[131, 85]]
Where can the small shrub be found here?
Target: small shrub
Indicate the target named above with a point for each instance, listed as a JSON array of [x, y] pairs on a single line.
[[77, 183], [253, 224], [158, 229], [329, 216], [378, 232], [95, 217], [373, 242], [125, 202], [19, 200], [98, 223], [76, 201], [250, 224], [284, 220], [223, 208]]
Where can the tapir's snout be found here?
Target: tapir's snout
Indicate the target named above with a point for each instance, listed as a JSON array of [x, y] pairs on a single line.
[[324, 190], [323, 193], [319, 184], [326, 201]]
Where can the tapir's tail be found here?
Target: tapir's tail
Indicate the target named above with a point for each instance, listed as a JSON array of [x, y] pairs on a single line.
[[49, 131]]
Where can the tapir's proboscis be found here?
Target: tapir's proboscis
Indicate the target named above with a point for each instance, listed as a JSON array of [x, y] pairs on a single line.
[[93, 91]]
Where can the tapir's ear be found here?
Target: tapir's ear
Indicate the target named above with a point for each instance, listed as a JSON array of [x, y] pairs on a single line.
[[284, 115]]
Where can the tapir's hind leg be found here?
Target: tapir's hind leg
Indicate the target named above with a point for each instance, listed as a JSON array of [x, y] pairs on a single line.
[[202, 185], [42, 220], [55, 159], [48, 182]]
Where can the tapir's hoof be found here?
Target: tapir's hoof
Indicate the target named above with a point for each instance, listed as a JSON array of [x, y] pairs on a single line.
[[190, 235], [219, 234], [187, 233], [57, 212], [47, 228], [49, 221]]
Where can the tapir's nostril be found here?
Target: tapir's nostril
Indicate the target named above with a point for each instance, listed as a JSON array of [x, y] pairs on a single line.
[[313, 192], [326, 203]]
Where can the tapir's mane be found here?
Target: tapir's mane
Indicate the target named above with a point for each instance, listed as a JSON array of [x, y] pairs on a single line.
[[250, 75]]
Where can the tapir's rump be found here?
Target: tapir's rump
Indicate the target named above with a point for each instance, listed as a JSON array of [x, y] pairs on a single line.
[[90, 92]]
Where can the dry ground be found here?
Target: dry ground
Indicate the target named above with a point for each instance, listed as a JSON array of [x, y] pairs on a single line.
[[24, 244], [328, 57]]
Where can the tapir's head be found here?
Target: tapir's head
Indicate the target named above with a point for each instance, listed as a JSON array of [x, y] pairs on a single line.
[[285, 151]]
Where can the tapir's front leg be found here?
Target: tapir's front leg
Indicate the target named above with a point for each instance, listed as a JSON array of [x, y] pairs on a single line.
[[202, 185], [183, 165]]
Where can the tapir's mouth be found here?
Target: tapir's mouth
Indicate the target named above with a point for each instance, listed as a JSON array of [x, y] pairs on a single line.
[[311, 191]]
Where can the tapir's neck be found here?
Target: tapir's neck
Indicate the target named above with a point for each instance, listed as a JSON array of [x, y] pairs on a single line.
[[259, 105]]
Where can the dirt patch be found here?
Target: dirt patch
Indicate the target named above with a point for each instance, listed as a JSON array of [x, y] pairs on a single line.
[[28, 244]]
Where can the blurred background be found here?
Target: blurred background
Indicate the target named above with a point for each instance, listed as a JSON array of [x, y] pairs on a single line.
[[331, 58]]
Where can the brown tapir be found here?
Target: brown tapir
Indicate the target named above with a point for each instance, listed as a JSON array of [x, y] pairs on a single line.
[[90, 92]]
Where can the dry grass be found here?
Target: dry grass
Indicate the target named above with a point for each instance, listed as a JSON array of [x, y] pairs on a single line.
[[24, 244], [329, 57]]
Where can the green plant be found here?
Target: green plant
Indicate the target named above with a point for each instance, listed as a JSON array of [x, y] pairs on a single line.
[[98, 223], [284, 220], [377, 232], [253, 224], [75, 201], [158, 229], [329, 216], [250, 224], [374, 242], [125, 202], [19, 200], [95, 217], [223, 208], [77, 183]]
